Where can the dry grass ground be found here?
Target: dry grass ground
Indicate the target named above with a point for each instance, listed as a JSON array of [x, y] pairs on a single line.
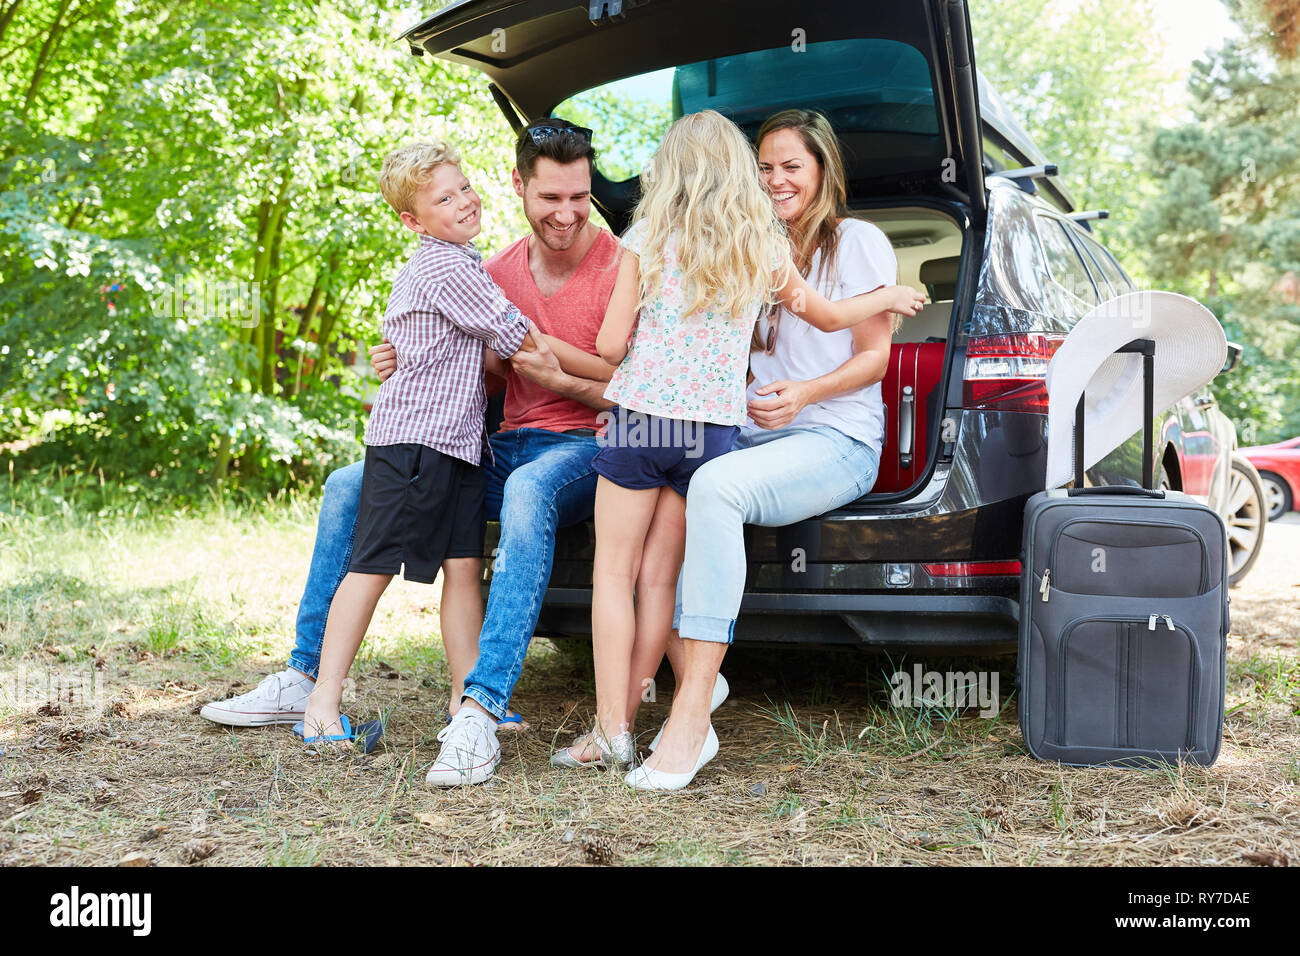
[[165, 613]]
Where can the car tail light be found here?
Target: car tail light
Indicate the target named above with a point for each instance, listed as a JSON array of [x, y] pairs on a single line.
[[1007, 372], [970, 569]]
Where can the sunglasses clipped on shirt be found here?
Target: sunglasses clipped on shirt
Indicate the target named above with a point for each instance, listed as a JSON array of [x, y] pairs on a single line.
[[540, 134]]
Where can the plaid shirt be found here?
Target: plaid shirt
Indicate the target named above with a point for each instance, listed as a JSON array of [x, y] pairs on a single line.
[[443, 308]]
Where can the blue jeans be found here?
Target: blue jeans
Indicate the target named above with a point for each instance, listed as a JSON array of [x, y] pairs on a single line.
[[539, 482], [769, 478], [330, 558]]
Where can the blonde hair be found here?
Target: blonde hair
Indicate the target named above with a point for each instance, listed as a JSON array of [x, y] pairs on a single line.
[[408, 168], [703, 185]]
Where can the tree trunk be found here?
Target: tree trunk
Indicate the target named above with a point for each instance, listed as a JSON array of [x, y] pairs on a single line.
[[43, 58], [304, 328], [270, 222], [270, 358], [328, 317], [7, 17], [221, 469]]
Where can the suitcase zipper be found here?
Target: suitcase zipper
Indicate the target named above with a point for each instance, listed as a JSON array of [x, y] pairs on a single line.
[[1042, 588], [1205, 585], [1169, 621]]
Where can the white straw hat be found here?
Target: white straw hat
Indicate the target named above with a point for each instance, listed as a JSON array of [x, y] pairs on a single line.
[[1190, 350]]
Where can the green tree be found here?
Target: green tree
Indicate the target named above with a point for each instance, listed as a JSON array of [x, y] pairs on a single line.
[[1223, 225], [1083, 79], [191, 237]]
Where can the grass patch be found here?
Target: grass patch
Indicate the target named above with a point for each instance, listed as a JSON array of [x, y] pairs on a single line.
[[171, 607]]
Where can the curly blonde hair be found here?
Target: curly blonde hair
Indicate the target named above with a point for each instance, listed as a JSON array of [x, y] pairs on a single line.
[[702, 185], [409, 167]]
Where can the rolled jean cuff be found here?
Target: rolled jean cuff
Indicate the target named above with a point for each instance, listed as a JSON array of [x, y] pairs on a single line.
[[696, 627], [485, 701], [302, 664]]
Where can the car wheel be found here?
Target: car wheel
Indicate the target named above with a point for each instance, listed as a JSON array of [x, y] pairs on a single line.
[[1277, 496], [1245, 519]]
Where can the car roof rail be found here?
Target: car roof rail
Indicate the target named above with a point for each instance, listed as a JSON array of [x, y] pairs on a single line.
[[1026, 172]]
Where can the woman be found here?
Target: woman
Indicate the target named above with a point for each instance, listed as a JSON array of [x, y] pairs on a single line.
[[816, 425], [704, 228]]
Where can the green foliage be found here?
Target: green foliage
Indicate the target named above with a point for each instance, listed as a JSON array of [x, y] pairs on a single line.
[[1083, 79], [191, 236], [1223, 224], [1210, 206], [628, 130]]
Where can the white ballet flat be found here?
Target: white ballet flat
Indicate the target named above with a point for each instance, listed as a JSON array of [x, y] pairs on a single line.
[[643, 778], [720, 691]]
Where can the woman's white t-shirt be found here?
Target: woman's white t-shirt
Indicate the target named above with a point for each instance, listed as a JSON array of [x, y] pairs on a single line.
[[864, 262]]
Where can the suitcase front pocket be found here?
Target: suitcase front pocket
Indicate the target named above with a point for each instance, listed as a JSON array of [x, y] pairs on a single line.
[[1112, 558], [1127, 684]]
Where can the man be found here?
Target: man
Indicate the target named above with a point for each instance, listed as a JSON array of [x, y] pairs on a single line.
[[561, 276]]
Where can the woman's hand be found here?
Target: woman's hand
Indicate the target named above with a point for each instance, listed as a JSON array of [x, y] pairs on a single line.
[[383, 359], [791, 398]]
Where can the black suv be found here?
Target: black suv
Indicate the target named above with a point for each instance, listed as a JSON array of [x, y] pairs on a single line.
[[936, 161]]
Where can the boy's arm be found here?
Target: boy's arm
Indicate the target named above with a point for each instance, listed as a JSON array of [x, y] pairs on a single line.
[[475, 304], [620, 314], [819, 312]]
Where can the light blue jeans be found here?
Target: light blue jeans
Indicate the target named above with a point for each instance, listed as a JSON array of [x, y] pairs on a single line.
[[540, 481], [769, 478]]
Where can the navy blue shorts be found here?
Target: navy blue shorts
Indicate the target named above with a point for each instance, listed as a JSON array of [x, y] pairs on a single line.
[[640, 450]]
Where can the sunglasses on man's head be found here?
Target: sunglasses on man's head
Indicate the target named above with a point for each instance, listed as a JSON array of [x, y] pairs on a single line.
[[540, 134]]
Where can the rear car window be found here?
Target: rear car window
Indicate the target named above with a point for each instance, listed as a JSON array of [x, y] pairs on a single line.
[[1063, 260], [1106, 262], [877, 94]]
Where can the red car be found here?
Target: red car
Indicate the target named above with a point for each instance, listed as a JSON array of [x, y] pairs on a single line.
[[1279, 469]]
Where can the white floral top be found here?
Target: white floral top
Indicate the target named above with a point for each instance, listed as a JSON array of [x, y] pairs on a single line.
[[690, 367]]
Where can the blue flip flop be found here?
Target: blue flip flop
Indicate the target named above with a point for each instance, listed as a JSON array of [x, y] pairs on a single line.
[[365, 737]]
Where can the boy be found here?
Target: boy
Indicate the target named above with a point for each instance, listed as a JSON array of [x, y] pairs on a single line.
[[422, 490]]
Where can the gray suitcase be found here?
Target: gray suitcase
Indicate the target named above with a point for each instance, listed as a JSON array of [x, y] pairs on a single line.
[[1123, 621]]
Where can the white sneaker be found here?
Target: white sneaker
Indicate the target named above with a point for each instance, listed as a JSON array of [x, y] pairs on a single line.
[[470, 751], [281, 698]]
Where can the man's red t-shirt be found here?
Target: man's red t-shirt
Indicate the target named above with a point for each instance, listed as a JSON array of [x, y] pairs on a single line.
[[573, 314]]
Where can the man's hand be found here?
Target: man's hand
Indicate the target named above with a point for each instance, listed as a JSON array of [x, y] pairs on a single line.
[[791, 398], [383, 359], [538, 364]]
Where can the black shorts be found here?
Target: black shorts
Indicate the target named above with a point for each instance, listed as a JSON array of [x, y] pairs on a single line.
[[419, 507]]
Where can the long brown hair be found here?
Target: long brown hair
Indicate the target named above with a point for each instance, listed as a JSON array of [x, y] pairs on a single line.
[[816, 226]]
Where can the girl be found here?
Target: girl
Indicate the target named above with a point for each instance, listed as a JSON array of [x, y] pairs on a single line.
[[810, 449], [706, 252]]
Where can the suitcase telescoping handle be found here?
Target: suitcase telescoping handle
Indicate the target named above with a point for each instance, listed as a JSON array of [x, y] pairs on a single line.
[[1147, 349]]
